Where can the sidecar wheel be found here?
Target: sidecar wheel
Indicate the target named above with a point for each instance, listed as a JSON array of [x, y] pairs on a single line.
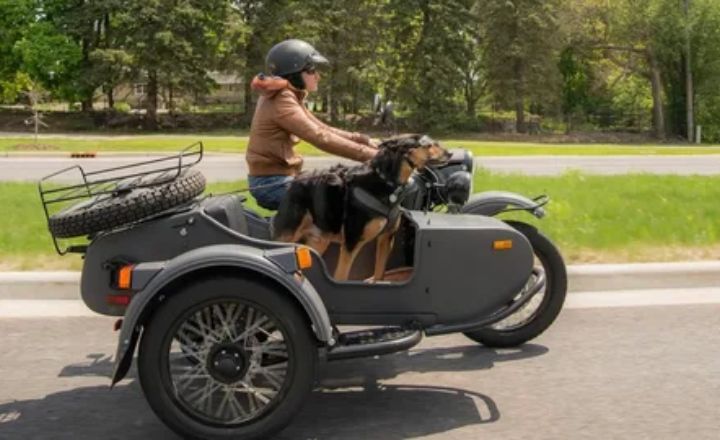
[[243, 374], [540, 312]]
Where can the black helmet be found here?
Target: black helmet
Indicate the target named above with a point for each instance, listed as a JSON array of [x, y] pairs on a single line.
[[292, 56]]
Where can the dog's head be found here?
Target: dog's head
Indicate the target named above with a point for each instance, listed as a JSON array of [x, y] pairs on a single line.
[[401, 155]]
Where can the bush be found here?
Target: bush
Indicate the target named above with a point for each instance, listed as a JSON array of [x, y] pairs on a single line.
[[122, 107]]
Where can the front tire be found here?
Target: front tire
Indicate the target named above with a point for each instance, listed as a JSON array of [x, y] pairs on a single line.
[[540, 312], [227, 358]]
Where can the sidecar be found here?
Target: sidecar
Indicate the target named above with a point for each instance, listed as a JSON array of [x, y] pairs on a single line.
[[231, 325]]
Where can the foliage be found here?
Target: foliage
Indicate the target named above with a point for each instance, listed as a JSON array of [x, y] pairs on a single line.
[[522, 38], [592, 63]]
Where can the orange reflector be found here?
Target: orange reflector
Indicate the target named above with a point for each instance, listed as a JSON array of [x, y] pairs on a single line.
[[502, 245], [124, 277], [304, 257], [118, 300]]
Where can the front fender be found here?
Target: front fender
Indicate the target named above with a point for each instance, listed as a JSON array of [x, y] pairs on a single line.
[[491, 203], [152, 277]]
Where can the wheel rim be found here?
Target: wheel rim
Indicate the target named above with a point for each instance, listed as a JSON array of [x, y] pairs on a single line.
[[532, 307], [228, 362]]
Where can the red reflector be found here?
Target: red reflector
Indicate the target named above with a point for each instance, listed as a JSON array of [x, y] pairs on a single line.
[[118, 300]]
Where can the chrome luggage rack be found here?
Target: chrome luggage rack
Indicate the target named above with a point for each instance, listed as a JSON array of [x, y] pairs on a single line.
[[100, 184]]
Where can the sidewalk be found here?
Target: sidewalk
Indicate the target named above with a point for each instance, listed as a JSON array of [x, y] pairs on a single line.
[[582, 278]]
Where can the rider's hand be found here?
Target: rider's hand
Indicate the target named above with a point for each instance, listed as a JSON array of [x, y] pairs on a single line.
[[364, 139]]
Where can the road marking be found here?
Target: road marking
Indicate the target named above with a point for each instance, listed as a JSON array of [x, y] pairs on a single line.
[[639, 298], [67, 308], [44, 308]]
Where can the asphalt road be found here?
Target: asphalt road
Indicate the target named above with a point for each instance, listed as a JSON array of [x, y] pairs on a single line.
[[224, 167], [618, 371]]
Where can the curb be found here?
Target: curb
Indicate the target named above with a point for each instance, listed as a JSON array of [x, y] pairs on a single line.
[[581, 278]]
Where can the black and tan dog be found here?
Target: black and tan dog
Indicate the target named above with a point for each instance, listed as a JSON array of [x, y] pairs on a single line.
[[354, 205]]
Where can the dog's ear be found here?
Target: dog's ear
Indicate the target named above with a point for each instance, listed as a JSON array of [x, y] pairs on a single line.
[[389, 160]]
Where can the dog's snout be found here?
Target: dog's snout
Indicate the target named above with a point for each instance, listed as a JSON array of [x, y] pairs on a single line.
[[439, 155]]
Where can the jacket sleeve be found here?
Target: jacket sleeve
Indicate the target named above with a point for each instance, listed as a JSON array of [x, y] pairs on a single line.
[[292, 117], [353, 136]]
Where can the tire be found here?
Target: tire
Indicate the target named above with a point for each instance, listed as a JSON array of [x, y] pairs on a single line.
[[500, 335], [272, 366], [109, 211]]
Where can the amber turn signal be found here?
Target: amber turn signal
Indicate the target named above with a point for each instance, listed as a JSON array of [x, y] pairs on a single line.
[[502, 245], [304, 257], [124, 277]]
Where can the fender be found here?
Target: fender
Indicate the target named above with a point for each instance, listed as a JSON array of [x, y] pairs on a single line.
[[149, 279], [491, 203]]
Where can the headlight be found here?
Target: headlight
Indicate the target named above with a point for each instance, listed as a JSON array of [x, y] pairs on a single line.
[[458, 187], [469, 161]]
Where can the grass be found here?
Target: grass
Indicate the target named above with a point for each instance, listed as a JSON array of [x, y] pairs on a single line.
[[238, 144], [592, 218]]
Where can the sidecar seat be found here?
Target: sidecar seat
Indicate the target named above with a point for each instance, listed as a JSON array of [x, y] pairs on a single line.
[[230, 211]]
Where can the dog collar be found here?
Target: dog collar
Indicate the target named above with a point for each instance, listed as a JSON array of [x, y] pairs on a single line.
[[389, 181]]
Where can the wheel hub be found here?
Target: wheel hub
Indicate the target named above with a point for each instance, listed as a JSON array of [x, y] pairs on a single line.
[[228, 363]]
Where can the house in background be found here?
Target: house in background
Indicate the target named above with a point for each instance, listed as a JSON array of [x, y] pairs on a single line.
[[229, 89]]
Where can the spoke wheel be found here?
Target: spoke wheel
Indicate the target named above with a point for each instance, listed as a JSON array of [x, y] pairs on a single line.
[[540, 311], [529, 310], [228, 362], [227, 358]]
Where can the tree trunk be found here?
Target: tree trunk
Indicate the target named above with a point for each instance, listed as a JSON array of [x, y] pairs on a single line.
[[151, 122], [251, 60], [332, 95], [110, 97], [470, 102], [656, 84], [689, 93], [86, 103], [171, 101], [519, 97]]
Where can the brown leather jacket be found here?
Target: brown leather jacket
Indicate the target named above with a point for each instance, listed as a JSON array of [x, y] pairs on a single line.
[[281, 120]]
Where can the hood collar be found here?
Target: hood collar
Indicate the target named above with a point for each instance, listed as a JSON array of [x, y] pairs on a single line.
[[271, 85]]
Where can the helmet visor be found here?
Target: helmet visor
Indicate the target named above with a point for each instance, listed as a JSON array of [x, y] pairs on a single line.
[[315, 59]]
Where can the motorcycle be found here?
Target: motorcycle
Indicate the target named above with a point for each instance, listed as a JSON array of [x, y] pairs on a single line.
[[230, 326]]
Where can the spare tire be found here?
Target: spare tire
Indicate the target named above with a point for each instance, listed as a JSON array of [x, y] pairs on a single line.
[[111, 210]]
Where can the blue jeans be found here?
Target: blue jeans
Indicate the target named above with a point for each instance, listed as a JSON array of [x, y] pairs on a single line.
[[269, 190]]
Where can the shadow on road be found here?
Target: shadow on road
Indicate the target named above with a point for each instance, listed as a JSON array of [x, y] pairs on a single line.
[[351, 401]]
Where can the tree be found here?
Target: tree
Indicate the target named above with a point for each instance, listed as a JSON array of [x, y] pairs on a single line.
[[521, 40], [355, 45], [15, 20], [264, 24], [50, 59], [177, 41], [434, 47]]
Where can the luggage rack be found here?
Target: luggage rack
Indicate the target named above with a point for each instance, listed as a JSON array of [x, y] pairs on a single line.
[[98, 185]]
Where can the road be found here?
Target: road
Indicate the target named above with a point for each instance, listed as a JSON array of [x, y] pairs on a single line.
[[612, 366], [224, 167]]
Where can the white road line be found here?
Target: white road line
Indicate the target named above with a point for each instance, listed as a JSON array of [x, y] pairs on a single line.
[[66, 308], [44, 308], [639, 298]]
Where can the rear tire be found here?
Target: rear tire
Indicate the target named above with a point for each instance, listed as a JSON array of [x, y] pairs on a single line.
[[550, 305], [243, 374], [112, 210]]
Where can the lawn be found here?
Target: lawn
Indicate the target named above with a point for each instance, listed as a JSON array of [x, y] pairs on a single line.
[[238, 144], [592, 218]]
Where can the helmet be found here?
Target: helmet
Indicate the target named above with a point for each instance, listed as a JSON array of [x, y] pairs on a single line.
[[292, 56]]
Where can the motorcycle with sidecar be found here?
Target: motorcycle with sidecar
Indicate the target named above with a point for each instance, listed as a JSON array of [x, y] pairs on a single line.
[[230, 326]]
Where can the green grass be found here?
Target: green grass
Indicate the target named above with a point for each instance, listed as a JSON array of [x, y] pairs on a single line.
[[592, 218], [238, 144]]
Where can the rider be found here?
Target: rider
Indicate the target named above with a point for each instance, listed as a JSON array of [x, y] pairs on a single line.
[[281, 120]]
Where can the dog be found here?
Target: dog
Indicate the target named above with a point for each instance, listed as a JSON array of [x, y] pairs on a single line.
[[355, 205]]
